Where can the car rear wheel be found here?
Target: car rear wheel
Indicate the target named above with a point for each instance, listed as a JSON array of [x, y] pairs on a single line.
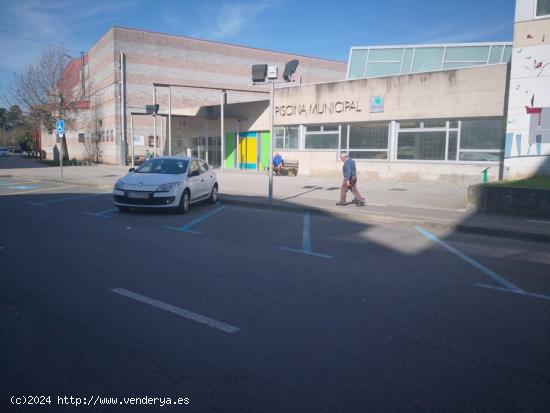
[[214, 194], [184, 202]]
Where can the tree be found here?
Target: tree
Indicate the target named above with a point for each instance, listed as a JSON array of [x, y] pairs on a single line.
[[92, 141], [49, 89], [13, 125], [27, 143]]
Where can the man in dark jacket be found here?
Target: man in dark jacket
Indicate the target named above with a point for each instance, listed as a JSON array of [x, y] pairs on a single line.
[[350, 181]]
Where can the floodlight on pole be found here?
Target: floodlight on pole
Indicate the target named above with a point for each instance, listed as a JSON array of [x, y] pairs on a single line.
[[259, 74], [290, 68]]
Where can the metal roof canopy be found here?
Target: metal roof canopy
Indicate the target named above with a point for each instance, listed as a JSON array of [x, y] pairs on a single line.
[[223, 99]]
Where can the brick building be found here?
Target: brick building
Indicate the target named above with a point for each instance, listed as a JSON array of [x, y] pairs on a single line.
[[120, 70]]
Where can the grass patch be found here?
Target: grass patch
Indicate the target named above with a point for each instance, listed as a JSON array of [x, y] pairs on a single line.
[[537, 182]]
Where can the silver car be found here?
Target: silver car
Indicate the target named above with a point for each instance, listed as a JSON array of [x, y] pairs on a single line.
[[166, 182], [4, 152]]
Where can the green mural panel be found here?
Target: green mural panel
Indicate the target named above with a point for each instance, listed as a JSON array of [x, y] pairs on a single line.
[[266, 142], [229, 150]]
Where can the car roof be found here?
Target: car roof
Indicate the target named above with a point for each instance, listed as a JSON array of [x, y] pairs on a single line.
[[183, 158]]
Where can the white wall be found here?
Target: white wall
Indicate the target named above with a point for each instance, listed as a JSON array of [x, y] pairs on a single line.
[[527, 148], [524, 10]]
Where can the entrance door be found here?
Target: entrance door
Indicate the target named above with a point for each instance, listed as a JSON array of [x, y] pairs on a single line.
[[248, 150]]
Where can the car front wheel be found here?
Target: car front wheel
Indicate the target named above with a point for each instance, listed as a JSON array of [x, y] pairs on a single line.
[[214, 195], [184, 202]]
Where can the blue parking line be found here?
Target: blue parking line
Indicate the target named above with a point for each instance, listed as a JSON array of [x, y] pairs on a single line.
[[5, 183], [506, 290], [23, 187], [306, 240], [187, 227], [498, 278], [102, 214], [315, 254], [46, 203]]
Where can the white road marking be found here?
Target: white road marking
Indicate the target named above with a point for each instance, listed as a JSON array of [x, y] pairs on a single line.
[[177, 310], [506, 290], [498, 278], [538, 221], [38, 190]]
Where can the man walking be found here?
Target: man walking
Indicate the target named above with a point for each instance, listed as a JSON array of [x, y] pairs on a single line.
[[350, 181]]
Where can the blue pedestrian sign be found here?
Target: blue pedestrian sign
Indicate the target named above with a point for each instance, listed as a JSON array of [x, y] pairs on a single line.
[[60, 127]]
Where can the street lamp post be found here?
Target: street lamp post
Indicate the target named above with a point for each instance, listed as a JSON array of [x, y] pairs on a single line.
[[272, 135], [259, 74]]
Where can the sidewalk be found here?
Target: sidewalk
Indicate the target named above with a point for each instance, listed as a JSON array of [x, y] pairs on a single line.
[[406, 203]]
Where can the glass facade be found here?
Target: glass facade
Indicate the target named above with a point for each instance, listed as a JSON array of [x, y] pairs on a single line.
[[426, 145], [437, 140], [396, 60], [322, 137], [440, 140], [286, 137], [543, 8], [367, 141]]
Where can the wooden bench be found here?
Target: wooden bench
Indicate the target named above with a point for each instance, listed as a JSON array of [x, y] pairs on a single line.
[[138, 160], [290, 167]]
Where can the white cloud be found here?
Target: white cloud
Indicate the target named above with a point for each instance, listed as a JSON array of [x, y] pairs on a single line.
[[458, 32], [169, 18], [52, 22], [230, 19]]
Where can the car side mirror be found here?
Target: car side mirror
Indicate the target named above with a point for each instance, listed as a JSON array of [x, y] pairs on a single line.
[[132, 170], [194, 173]]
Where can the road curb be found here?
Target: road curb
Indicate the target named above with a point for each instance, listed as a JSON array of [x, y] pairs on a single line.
[[371, 218], [388, 219]]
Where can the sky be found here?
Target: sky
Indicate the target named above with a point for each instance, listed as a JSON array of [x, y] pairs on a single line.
[[325, 29]]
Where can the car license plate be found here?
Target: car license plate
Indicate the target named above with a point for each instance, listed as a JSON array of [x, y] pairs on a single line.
[[141, 195]]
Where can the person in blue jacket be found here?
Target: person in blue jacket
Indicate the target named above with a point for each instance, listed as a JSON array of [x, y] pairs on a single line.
[[278, 163], [350, 182]]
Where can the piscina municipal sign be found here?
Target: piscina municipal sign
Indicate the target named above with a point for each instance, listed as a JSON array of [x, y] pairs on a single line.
[[341, 106]]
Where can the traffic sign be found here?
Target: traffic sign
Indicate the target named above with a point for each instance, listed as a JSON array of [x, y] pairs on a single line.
[[60, 127]]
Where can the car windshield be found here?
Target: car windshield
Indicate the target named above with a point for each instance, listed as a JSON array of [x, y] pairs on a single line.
[[163, 166]]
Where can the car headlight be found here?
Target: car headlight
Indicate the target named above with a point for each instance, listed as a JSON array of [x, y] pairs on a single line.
[[119, 185], [168, 187]]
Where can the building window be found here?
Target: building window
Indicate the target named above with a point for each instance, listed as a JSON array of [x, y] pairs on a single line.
[[391, 61], [322, 137], [287, 137], [425, 145], [81, 138], [479, 140], [543, 8], [366, 141]]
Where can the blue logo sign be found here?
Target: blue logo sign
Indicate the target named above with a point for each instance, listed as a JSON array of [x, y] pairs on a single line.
[[376, 104], [60, 126]]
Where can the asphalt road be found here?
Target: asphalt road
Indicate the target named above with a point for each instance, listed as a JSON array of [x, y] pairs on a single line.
[[247, 310]]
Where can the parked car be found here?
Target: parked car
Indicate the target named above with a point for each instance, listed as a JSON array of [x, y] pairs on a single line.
[[4, 152], [166, 182]]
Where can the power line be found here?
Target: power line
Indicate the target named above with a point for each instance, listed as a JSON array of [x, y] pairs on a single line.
[[38, 41]]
